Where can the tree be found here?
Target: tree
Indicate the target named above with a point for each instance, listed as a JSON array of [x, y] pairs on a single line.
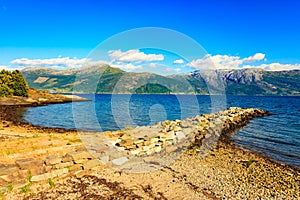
[[19, 85], [13, 83]]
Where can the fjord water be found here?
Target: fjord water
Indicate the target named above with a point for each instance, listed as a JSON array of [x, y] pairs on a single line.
[[277, 136]]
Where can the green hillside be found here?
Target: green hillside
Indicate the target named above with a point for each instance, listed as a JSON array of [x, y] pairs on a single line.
[[106, 79]]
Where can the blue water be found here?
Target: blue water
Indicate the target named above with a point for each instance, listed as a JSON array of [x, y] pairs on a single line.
[[277, 136]]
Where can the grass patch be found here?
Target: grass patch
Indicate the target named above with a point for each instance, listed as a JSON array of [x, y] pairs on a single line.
[[74, 140], [10, 187], [51, 183], [247, 163], [8, 152], [26, 188], [36, 136]]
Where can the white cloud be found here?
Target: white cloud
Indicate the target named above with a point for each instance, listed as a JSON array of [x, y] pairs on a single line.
[[133, 55], [64, 62], [179, 61], [216, 62], [132, 60], [256, 57], [223, 61], [275, 66], [3, 67]]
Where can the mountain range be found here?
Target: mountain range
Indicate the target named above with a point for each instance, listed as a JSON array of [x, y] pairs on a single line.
[[106, 79]]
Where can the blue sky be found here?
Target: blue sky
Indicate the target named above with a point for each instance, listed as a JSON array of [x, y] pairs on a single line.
[[228, 30]]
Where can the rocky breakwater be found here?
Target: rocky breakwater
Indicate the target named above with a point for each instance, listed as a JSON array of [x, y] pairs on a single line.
[[147, 148]]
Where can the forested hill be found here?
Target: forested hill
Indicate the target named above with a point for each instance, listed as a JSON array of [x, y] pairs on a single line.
[[12, 83]]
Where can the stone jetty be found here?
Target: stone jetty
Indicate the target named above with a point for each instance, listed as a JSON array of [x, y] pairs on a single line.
[[150, 147]]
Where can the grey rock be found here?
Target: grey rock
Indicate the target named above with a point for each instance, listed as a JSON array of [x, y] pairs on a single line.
[[119, 161]]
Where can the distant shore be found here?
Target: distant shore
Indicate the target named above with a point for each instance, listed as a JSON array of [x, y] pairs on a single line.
[[37, 98], [197, 94]]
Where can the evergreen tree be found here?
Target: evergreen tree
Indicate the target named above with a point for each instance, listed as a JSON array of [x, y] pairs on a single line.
[[19, 85], [12, 84]]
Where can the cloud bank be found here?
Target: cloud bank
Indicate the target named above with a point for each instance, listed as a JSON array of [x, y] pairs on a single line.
[[276, 67], [135, 60], [64, 62], [210, 62], [255, 57], [179, 61], [134, 55], [3, 67]]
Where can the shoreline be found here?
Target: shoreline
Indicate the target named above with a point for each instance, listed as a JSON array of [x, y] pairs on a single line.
[[209, 177], [9, 116], [225, 139], [187, 94]]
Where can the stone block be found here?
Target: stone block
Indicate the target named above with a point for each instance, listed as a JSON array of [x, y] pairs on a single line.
[[81, 161], [117, 154], [180, 135], [63, 165], [140, 141], [102, 149], [91, 163], [177, 128], [170, 148], [52, 174], [104, 159], [119, 161], [79, 155], [8, 169], [37, 170], [75, 167], [66, 158], [29, 163], [53, 159], [125, 143], [15, 177]]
